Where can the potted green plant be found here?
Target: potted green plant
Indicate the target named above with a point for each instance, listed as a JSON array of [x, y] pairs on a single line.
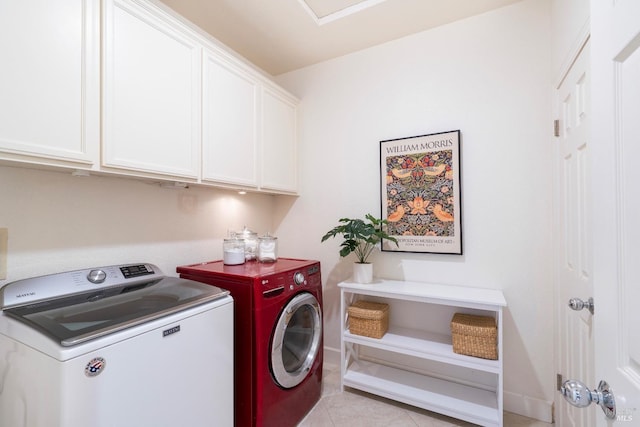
[[360, 237]]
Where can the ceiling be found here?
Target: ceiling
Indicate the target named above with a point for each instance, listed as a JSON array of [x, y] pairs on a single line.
[[283, 35]]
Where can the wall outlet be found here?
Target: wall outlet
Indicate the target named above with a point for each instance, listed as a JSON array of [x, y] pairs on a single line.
[[4, 237]]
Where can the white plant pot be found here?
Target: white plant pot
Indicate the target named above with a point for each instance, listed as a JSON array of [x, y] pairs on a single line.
[[362, 272]]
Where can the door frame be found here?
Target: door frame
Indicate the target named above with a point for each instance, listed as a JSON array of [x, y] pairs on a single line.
[[560, 304]]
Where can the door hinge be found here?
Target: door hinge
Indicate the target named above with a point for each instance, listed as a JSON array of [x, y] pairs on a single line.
[[558, 381], [556, 127]]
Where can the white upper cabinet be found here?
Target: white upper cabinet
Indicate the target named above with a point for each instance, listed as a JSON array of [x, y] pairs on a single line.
[[50, 82], [129, 87], [278, 156], [249, 128], [151, 92], [230, 120]]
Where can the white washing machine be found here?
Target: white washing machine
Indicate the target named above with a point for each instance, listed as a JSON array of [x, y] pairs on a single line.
[[117, 346]]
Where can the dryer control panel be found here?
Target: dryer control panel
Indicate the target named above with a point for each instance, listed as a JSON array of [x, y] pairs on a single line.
[[290, 281]]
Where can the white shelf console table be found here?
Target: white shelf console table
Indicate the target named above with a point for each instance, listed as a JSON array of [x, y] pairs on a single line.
[[427, 341]]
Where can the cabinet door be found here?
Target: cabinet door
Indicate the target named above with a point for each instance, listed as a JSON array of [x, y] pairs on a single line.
[[50, 81], [151, 91], [279, 141], [229, 123]]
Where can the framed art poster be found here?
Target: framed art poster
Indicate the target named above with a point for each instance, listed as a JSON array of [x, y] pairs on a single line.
[[420, 193]]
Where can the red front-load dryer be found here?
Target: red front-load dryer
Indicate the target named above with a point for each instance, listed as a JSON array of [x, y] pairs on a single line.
[[277, 336]]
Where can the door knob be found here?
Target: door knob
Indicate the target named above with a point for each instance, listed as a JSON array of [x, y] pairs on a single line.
[[577, 304], [577, 394]]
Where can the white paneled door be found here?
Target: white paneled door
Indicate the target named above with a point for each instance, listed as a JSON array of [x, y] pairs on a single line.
[[615, 150], [597, 223], [573, 261]]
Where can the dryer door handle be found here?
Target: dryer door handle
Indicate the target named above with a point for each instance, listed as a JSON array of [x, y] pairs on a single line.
[[273, 292]]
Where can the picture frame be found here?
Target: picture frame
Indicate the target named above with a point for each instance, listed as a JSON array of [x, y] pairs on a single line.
[[420, 193]]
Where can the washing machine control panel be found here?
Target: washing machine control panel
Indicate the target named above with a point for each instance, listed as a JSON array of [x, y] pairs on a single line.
[[289, 282], [54, 286], [96, 276], [313, 269], [299, 278]]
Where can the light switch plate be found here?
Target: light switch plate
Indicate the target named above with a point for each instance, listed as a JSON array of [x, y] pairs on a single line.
[[4, 237]]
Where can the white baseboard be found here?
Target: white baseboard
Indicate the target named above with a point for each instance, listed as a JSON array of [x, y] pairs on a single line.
[[332, 356], [526, 406]]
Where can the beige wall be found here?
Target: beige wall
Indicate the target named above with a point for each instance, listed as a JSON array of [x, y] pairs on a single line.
[[490, 77], [58, 222]]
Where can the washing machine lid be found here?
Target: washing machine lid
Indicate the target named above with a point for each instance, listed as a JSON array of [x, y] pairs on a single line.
[[74, 318]]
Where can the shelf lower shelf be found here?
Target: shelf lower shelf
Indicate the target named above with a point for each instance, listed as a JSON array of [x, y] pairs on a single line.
[[448, 398], [423, 344]]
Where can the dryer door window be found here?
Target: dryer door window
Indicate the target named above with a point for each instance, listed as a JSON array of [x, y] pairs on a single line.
[[296, 340]]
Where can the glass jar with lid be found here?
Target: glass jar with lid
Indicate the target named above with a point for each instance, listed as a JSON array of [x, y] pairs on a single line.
[[250, 243], [267, 248], [233, 251]]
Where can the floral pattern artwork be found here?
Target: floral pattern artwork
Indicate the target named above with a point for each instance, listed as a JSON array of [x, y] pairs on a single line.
[[421, 192]]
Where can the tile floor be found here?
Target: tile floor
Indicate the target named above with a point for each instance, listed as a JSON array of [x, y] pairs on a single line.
[[353, 408]]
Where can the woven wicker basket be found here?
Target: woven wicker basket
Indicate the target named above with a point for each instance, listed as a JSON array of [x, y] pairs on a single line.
[[474, 335], [370, 319]]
